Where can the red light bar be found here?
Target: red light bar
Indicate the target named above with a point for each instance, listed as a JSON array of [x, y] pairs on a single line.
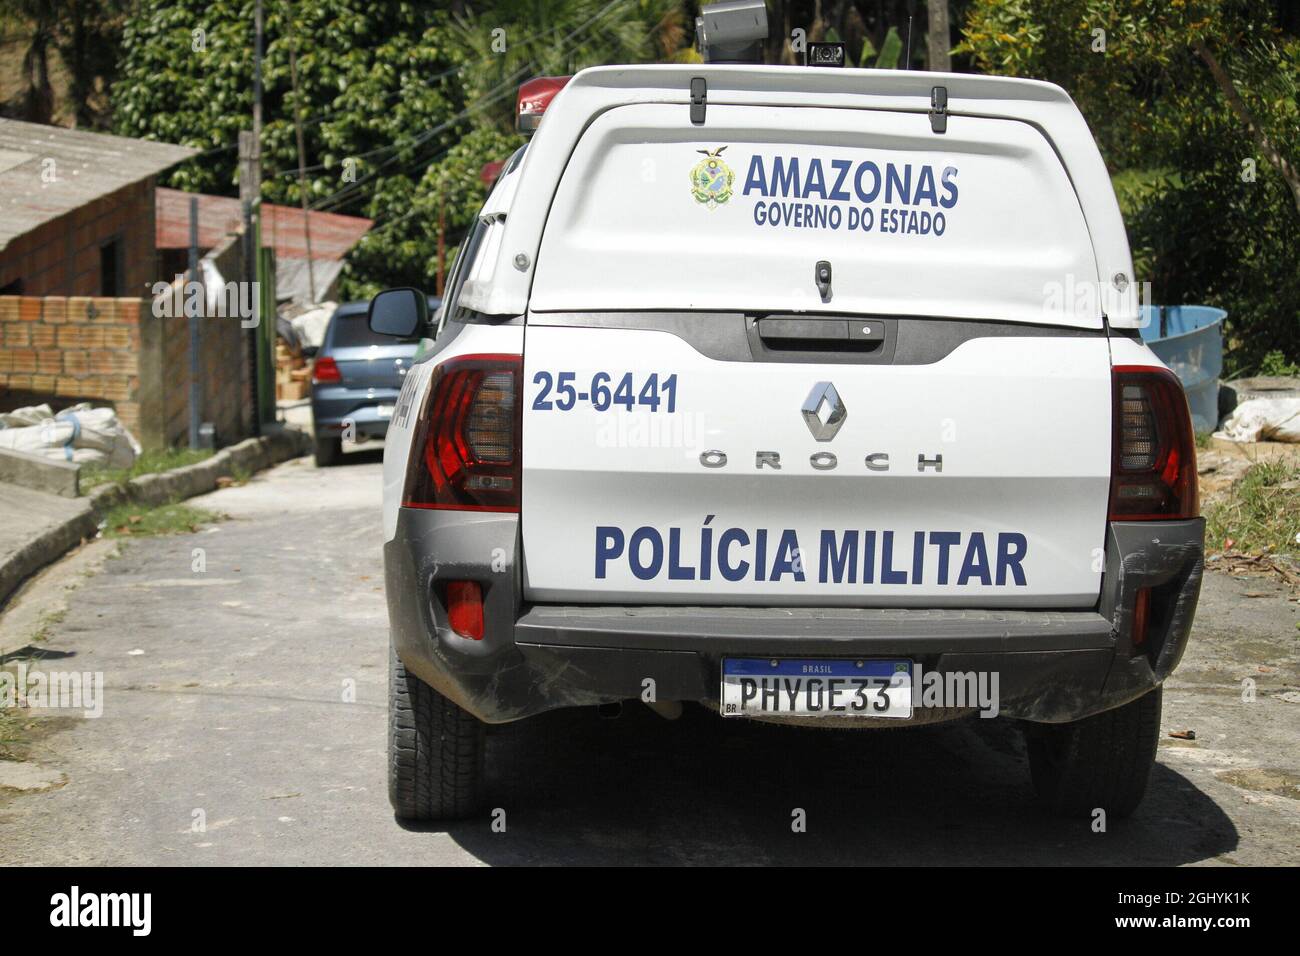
[[534, 96]]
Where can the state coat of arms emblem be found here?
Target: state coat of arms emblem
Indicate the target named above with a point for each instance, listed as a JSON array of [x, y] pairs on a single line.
[[712, 179]]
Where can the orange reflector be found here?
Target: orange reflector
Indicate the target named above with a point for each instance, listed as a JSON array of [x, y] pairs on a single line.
[[465, 609], [1141, 612]]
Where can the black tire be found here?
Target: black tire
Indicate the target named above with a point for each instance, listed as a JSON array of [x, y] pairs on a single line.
[[1100, 761], [435, 751], [328, 451]]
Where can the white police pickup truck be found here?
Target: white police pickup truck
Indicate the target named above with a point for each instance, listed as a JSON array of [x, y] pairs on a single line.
[[796, 394]]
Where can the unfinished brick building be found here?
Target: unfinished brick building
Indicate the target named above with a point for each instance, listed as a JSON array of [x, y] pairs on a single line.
[[78, 264]]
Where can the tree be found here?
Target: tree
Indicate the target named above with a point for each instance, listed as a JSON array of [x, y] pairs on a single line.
[[1194, 105], [34, 20], [937, 41], [84, 34], [402, 104]]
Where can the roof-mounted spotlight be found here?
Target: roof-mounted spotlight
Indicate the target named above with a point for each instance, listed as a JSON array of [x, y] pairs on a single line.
[[732, 32]]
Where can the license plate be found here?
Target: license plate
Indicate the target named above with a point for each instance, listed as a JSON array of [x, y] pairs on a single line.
[[385, 411], [816, 688]]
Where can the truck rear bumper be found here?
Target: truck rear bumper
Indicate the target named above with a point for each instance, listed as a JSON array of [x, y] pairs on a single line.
[[1052, 666]]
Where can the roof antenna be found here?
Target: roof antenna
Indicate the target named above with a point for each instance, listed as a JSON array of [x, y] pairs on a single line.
[[907, 64]]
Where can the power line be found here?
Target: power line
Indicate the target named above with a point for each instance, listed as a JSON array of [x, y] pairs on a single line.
[[342, 196], [347, 192], [481, 60], [564, 39]]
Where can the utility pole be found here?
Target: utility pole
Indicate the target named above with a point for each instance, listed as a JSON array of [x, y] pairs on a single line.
[[250, 194], [257, 100], [302, 163], [937, 36], [195, 386], [248, 246]]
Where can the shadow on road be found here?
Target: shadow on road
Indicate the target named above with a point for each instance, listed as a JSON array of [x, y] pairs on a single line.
[[578, 789], [368, 454]]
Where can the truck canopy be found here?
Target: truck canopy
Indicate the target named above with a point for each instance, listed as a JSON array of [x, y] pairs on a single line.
[[622, 202]]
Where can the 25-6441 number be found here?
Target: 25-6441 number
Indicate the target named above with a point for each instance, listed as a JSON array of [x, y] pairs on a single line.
[[559, 392]]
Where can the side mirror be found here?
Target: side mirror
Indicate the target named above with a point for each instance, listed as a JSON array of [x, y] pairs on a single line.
[[398, 312]]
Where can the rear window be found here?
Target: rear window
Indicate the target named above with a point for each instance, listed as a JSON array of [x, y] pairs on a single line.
[[353, 331], [979, 223]]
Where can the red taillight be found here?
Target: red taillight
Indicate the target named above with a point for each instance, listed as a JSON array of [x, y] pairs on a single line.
[[534, 96], [1153, 465], [325, 371], [465, 455], [465, 608]]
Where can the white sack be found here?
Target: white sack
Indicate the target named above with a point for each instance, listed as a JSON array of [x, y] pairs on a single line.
[[77, 434], [1263, 419], [310, 326]]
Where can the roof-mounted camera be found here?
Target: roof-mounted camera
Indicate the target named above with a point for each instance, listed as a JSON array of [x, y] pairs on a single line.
[[824, 54]]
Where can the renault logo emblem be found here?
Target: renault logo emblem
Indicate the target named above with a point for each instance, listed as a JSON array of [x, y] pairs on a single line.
[[823, 411]]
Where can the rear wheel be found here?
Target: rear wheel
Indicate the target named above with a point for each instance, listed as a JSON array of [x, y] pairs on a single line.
[[435, 750], [1101, 761], [328, 451]]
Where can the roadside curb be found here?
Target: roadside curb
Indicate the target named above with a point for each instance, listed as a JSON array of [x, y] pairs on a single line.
[[250, 455]]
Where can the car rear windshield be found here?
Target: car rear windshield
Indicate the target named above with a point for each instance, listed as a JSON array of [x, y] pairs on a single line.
[[353, 331]]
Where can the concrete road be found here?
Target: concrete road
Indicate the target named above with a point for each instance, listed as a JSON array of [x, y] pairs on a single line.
[[244, 722]]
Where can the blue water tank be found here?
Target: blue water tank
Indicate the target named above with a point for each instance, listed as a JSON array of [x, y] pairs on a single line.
[[1189, 339]]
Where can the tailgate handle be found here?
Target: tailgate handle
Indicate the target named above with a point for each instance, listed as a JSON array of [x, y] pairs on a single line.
[[804, 331], [827, 335]]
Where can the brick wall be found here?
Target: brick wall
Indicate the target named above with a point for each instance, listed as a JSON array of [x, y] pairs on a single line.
[[81, 346], [61, 257], [121, 352]]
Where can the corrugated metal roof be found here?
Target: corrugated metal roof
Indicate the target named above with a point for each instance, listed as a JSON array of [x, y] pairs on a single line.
[[332, 235], [86, 166]]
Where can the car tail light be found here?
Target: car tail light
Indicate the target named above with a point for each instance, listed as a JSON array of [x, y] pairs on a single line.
[[466, 455], [325, 371], [465, 608], [1153, 466], [534, 96]]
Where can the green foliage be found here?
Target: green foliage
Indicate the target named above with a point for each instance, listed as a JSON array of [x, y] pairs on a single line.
[[402, 103], [869, 53], [148, 463], [372, 75], [1210, 217], [891, 51], [1275, 363], [137, 520], [404, 242], [1259, 514]]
